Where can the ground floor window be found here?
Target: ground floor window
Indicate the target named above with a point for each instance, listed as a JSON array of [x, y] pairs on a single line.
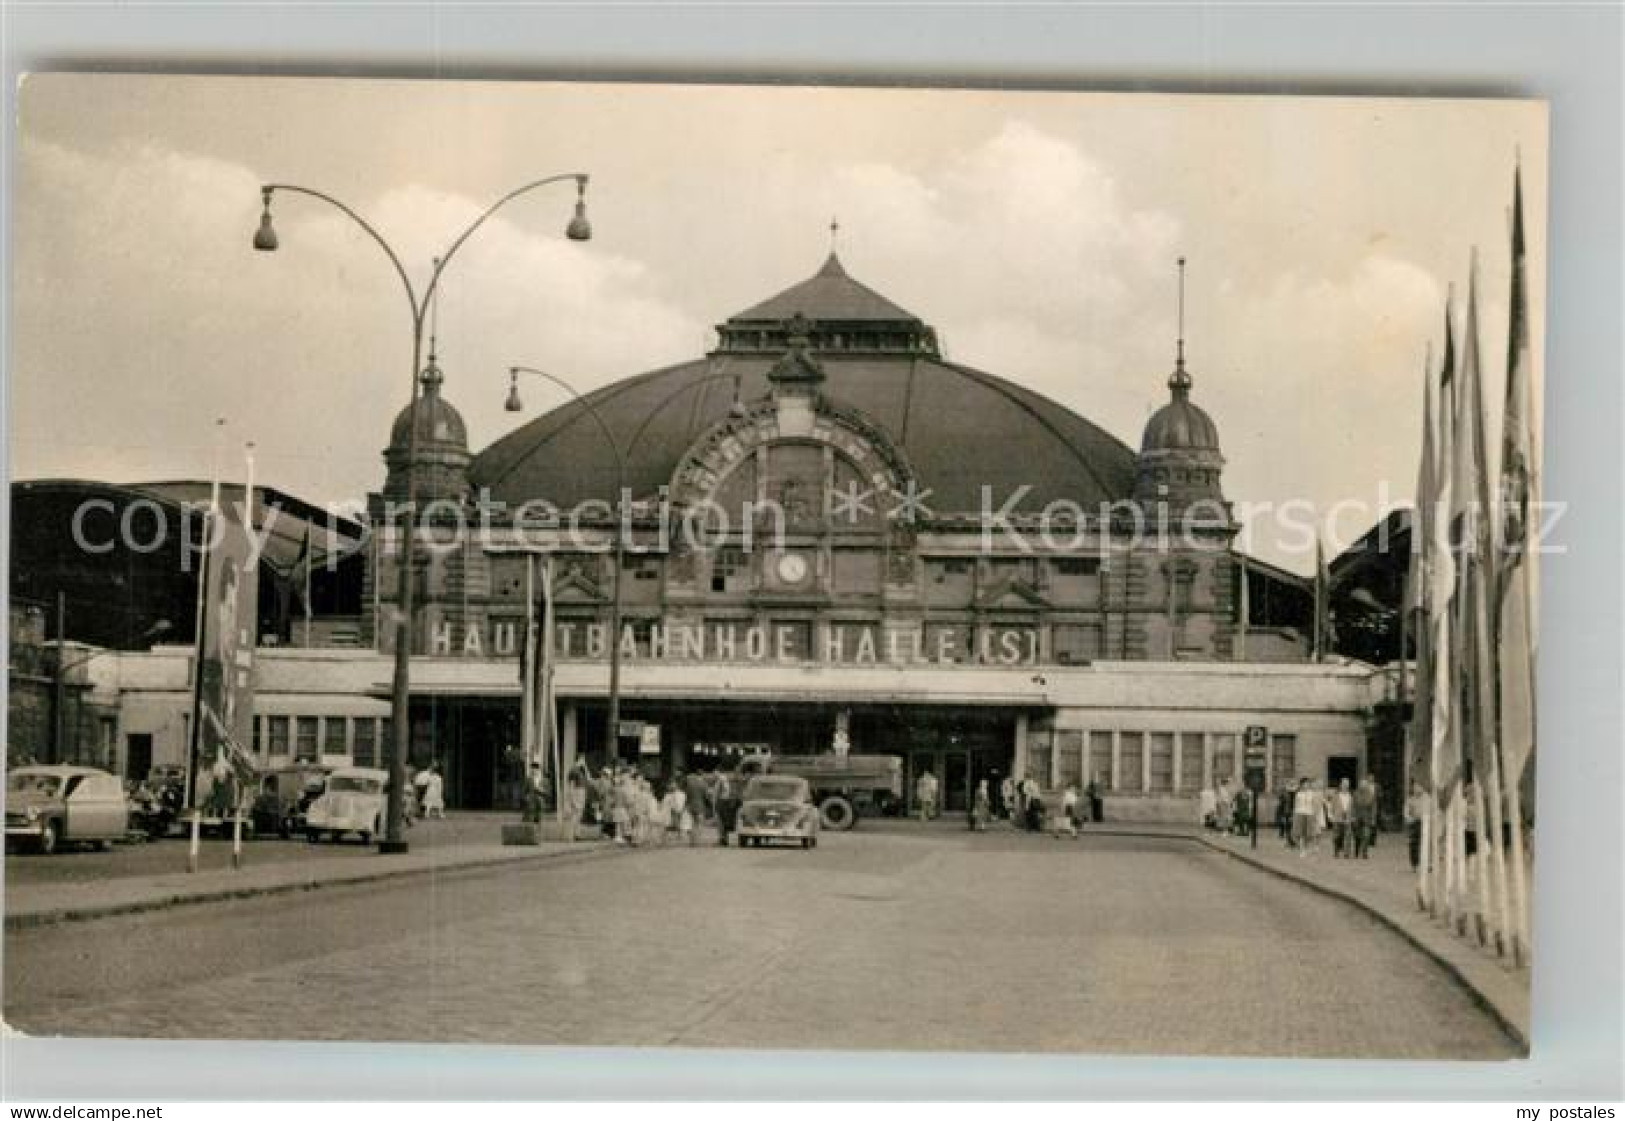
[[1224, 758], [366, 742], [1190, 762], [305, 728], [1283, 759], [1162, 762], [276, 730], [1130, 750], [333, 741]]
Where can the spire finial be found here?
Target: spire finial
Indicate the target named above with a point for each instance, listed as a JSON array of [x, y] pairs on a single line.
[[1180, 380], [432, 377], [834, 234]]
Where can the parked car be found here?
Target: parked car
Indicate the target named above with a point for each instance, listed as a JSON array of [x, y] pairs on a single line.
[[285, 796], [352, 802], [55, 805], [778, 808]]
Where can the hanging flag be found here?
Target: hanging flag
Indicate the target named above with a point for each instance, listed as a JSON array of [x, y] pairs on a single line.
[[1419, 589], [1323, 637], [1471, 531], [1516, 588], [1442, 579]]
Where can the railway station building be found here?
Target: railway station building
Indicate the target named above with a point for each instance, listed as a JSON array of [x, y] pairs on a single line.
[[832, 538]]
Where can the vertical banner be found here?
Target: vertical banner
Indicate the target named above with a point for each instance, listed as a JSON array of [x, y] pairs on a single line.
[[224, 716]]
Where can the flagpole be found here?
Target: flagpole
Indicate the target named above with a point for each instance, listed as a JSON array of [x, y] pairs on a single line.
[[527, 731]]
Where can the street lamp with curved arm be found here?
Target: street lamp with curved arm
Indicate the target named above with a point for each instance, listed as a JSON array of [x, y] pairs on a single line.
[[266, 240], [618, 546]]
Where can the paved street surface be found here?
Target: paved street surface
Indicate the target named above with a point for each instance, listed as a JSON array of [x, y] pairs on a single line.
[[147, 858], [880, 939]]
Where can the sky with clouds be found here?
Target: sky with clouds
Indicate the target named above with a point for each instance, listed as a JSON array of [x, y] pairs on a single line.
[[1036, 231]]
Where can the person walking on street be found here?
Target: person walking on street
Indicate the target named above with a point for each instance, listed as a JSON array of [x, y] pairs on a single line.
[[420, 784], [1069, 809], [1340, 813], [727, 805], [698, 807], [1365, 817], [1096, 793], [980, 807], [1208, 806], [434, 794], [1283, 813], [1305, 808], [925, 795], [1007, 797]]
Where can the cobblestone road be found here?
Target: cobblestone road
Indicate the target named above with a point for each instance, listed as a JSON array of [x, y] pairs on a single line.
[[875, 940]]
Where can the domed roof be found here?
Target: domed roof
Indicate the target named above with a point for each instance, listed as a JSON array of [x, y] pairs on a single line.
[[438, 421], [1179, 425], [960, 429]]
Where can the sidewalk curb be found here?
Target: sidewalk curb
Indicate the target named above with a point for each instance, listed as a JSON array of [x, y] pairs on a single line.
[[29, 921], [1483, 999]]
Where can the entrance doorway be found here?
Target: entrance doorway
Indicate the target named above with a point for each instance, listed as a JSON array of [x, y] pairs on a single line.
[[137, 755], [1340, 767]]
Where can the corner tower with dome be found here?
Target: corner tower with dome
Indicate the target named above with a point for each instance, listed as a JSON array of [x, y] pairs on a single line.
[[837, 538]]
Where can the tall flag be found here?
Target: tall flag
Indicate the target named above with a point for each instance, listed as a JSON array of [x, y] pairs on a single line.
[[1418, 590], [1470, 529], [1323, 595], [1442, 577], [1515, 593]]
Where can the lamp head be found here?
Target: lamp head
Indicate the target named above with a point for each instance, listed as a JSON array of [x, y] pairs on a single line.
[[579, 228], [513, 404], [265, 237]]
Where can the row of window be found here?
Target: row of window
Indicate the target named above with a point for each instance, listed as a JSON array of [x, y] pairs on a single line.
[[306, 739], [1147, 762]]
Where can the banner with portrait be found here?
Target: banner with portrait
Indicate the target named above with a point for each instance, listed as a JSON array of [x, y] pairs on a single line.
[[224, 766]]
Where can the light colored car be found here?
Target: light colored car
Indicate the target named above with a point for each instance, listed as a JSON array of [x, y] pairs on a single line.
[[54, 805], [777, 808], [353, 802]]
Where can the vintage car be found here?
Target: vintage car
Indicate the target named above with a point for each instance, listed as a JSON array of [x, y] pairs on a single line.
[[55, 805], [777, 808], [285, 795], [353, 802]]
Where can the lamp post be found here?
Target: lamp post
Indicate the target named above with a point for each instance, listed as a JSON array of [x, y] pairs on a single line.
[[620, 514], [265, 240]]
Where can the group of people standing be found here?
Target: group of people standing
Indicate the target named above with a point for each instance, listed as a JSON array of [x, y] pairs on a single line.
[[626, 806], [1022, 804], [1227, 809], [1305, 813]]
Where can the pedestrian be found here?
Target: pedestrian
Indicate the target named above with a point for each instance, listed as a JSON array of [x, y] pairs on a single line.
[[980, 807], [1365, 817], [420, 783], [657, 812], [697, 791], [1035, 806], [1226, 800], [925, 795], [1208, 807], [1304, 810], [1007, 797], [1416, 808], [1096, 793], [722, 795], [1340, 815], [434, 794], [1069, 809], [1283, 813], [1241, 818], [620, 810]]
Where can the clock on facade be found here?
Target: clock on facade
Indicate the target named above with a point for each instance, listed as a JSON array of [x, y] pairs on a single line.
[[792, 568]]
